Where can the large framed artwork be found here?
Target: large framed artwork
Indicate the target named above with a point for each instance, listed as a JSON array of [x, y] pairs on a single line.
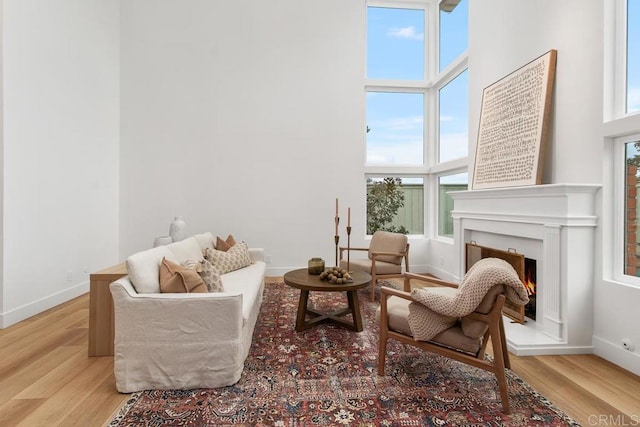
[[514, 126]]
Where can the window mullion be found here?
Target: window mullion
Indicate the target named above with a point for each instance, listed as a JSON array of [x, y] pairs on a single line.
[[452, 71], [377, 85], [620, 81]]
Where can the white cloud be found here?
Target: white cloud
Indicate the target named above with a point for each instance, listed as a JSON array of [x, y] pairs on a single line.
[[447, 118], [399, 123], [406, 33], [453, 146], [407, 153]]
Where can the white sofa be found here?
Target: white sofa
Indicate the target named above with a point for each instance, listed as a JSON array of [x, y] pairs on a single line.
[[183, 341]]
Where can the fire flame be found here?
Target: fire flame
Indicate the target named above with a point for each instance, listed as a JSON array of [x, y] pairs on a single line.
[[530, 285]]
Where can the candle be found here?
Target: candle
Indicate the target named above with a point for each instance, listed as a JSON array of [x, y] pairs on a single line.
[[348, 217], [336, 206]]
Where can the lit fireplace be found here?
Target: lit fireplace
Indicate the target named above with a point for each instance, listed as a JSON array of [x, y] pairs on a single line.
[[530, 283], [555, 224]]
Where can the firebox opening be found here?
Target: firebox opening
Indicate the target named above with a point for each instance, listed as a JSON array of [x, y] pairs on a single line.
[[530, 282]]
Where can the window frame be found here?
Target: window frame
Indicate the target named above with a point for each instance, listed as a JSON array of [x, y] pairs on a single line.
[[438, 176], [431, 84], [620, 196], [619, 128], [401, 176]]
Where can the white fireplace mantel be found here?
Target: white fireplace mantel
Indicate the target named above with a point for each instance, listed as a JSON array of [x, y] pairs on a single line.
[[558, 222]]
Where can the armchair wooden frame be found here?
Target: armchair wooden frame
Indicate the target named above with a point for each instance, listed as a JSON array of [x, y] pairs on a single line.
[[374, 255], [495, 331]]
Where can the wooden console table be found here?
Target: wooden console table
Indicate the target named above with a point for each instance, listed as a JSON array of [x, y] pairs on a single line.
[[101, 319]]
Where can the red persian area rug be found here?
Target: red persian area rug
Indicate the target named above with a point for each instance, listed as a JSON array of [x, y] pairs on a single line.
[[327, 376]]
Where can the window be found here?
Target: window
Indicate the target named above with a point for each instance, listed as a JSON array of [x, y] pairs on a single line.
[[395, 43], [632, 231], [395, 204], [447, 184], [623, 131], [454, 118], [454, 32], [395, 128], [416, 107]]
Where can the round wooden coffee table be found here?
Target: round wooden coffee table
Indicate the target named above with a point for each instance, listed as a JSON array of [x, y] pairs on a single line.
[[301, 279]]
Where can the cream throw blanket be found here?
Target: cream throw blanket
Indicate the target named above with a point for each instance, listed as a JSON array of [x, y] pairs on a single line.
[[433, 312]]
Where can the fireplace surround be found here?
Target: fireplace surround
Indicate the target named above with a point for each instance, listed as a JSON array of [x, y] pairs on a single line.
[[554, 224]]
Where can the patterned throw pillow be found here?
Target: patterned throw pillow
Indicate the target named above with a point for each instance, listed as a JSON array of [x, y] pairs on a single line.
[[175, 278], [225, 245], [235, 258], [208, 273], [211, 277]]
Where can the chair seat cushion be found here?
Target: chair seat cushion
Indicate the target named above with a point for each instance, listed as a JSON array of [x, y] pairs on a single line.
[[398, 311], [365, 265]]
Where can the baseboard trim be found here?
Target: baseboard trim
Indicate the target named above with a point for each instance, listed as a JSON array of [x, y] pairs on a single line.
[[615, 354], [19, 314]]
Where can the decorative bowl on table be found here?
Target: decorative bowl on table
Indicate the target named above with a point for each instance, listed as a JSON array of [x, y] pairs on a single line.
[[336, 275]]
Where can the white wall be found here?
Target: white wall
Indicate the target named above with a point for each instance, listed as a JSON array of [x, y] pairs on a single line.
[[60, 151], [1, 159], [245, 118], [505, 34]]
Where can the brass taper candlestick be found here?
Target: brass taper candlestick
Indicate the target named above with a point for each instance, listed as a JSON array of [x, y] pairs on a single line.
[[337, 238]]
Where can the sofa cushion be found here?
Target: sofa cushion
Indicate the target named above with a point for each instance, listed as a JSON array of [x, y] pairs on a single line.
[[175, 278], [235, 258], [185, 249], [205, 240], [225, 245], [247, 281], [143, 267]]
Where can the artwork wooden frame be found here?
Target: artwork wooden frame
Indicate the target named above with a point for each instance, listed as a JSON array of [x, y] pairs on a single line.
[[514, 126], [475, 253]]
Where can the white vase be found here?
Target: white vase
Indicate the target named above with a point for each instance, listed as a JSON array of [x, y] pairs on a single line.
[[177, 229]]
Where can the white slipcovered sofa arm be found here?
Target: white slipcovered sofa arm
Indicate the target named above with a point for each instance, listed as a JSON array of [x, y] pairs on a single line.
[[257, 254], [176, 341], [174, 317]]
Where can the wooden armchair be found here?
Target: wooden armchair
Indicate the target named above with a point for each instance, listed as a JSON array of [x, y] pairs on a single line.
[[486, 321], [385, 255]]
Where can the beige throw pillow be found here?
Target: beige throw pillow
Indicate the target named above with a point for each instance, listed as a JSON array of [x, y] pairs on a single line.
[[175, 278], [235, 258]]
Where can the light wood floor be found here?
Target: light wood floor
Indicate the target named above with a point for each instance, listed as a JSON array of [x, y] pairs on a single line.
[[47, 379]]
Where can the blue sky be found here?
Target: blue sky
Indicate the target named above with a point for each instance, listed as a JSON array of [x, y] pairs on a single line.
[[395, 51]]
